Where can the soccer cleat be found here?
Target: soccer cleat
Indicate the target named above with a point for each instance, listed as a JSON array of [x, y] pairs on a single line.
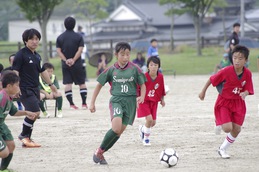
[[98, 157], [218, 129], [84, 106], [60, 115], [46, 114], [26, 142], [223, 153], [141, 134], [73, 107], [146, 142]]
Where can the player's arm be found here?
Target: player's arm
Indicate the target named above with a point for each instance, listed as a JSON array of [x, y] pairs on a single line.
[[162, 102], [203, 91], [141, 98], [29, 114], [94, 96], [45, 77], [61, 55], [78, 54]]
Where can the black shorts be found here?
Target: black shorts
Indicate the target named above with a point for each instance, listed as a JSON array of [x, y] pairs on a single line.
[[30, 99], [75, 74]]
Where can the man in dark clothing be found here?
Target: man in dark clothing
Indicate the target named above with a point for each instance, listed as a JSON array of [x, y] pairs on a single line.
[[233, 40]]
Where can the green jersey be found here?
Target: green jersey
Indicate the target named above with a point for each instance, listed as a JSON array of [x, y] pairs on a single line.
[[6, 106], [123, 82]]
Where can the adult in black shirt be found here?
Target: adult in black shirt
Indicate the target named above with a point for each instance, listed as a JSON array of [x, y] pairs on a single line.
[[233, 40], [27, 64], [69, 48]]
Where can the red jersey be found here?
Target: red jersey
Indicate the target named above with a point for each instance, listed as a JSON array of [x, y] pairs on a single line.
[[155, 89], [233, 85]]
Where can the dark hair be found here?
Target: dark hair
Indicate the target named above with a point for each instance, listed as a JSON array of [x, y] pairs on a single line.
[[70, 23], [154, 59], [48, 66], [153, 40], [9, 77], [122, 46], [1, 67], [29, 34], [11, 56], [241, 49], [236, 24]]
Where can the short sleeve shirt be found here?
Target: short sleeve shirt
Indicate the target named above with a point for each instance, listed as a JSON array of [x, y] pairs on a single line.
[[152, 51], [123, 82], [232, 84], [233, 39], [28, 64]]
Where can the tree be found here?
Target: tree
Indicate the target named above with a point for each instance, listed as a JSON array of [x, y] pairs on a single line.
[[197, 8], [41, 11]]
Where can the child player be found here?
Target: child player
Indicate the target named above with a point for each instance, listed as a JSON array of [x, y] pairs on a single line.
[[10, 83], [124, 77], [230, 108], [155, 92]]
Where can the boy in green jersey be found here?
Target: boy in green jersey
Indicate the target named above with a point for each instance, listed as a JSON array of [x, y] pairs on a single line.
[[124, 78], [10, 83]]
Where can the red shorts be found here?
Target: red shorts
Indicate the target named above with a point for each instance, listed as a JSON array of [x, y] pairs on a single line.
[[147, 108], [229, 110]]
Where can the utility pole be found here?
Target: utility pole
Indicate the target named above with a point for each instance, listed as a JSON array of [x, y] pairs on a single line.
[[242, 17]]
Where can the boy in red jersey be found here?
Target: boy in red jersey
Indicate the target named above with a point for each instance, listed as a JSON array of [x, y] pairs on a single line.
[[123, 77], [155, 92], [235, 84]]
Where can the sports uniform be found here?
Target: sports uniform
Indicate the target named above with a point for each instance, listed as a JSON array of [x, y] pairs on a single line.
[[155, 90], [230, 107], [123, 84], [233, 40]]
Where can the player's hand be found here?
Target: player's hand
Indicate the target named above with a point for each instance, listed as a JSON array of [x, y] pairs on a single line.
[[31, 115], [202, 95], [140, 100], [92, 108], [54, 90], [243, 95], [162, 102]]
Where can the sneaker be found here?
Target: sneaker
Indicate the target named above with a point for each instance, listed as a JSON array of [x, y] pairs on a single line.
[[84, 106], [218, 129], [146, 142], [6, 170], [223, 153], [28, 142], [98, 157], [46, 114], [60, 115], [73, 107], [141, 134]]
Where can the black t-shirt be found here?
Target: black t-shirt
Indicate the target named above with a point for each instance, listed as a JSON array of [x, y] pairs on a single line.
[[28, 64], [69, 42], [233, 39]]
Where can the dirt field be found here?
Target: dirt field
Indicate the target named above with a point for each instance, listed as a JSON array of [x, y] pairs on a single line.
[[185, 124]]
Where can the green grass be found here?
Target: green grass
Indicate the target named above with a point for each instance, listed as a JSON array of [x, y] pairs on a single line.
[[184, 61]]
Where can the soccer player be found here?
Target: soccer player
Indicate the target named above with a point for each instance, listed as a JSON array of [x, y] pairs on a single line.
[[233, 40], [155, 92], [230, 108], [152, 50], [124, 77], [10, 83]]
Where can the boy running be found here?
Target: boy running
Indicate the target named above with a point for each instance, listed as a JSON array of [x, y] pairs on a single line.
[[230, 108], [155, 92], [124, 78], [10, 83]]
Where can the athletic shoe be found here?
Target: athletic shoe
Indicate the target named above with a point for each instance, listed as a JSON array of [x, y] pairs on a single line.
[[28, 142], [146, 142], [73, 107], [218, 129], [60, 115], [46, 114], [98, 157], [141, 134], [84, 106], [223, 153], [6, 170]]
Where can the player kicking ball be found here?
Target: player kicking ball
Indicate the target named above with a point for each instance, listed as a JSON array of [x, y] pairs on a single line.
[[230, 108], [155, 92], [10, 83], [124, 77]]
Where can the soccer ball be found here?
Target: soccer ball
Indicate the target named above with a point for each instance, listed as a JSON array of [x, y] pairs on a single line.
[[167, 89], [169, 157]]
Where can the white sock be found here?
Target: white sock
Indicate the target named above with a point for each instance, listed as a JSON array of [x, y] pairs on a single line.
[[227, 142], [146, 132]]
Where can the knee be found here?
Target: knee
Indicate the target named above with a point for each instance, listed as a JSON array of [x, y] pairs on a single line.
[[227, 128], [4, 153], [11, 146], [153, 123]]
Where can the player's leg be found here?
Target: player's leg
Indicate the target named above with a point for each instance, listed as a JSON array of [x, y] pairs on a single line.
[[42, 107], [6, 161], [143, 111], [83, 94], [68, 81], [59, 100]]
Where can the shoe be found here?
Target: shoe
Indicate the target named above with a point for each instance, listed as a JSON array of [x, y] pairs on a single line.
[[6, 170], [98, 157], [73, 107], [218, 129], [84, 106], [46, 114], [60, 115], [141, 134], [223, 153], [146, 142], [28, 142]]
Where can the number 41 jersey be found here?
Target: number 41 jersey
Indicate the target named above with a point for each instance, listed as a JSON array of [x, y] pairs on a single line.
[[124, 81], [233, 85]]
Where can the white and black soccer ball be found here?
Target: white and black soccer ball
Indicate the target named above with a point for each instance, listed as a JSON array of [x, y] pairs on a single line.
[[169, 157]]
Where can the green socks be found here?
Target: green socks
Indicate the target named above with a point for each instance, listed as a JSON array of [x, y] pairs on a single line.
[[60, 102], [6, 161], [109, 139]]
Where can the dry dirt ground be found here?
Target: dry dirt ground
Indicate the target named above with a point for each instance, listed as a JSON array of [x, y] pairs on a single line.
[[185, 124]]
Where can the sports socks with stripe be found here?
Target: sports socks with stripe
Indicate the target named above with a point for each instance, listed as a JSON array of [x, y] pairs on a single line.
[[83, 93], [227, 142], [69, 97]]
